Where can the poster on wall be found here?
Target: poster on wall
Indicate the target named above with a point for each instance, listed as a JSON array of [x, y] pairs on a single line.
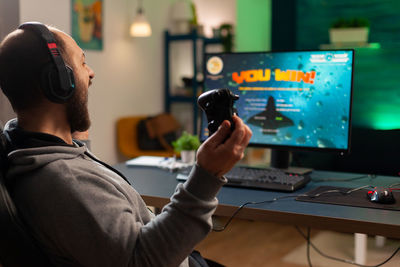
[[87, 23]]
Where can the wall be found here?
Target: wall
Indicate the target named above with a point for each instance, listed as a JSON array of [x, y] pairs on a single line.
[[213, 13], [253, 31], [9, 19]]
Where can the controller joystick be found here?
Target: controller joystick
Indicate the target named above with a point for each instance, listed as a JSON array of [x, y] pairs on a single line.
[[218, 106]]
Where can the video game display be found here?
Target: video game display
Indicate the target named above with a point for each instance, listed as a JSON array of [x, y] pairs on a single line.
[[290, 99]]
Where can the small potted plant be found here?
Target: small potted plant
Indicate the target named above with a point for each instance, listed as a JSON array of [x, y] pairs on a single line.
[[345, 31], [187, 145]]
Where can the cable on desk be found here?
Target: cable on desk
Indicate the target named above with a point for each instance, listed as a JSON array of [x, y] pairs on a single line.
[[395, 184], [372, 176], [309, 243], [339, 191], [282, 197], [252, 203]]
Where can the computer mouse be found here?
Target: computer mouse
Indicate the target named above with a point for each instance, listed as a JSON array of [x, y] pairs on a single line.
[[381, 195]]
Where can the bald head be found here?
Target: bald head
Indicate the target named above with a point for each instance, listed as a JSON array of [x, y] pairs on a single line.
[[23, 56]]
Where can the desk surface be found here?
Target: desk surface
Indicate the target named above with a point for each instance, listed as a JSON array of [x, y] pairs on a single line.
[[156, 186]]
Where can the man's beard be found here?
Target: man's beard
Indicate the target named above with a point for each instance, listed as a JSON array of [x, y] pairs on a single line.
[[77, 110]]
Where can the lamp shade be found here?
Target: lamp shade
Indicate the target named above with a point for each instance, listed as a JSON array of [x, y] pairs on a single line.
[[140, 26]]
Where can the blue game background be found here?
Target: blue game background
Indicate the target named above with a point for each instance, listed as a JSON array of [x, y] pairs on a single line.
[[324, 117]]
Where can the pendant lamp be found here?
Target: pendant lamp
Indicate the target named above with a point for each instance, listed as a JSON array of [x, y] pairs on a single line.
[[140, 26]]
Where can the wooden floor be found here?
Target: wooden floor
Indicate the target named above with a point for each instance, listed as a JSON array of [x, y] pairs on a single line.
[[252, 243]]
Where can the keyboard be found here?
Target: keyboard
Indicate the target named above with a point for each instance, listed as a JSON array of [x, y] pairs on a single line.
[[260, 178]]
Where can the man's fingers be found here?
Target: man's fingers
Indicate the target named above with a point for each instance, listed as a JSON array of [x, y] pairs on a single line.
[[221, 134], [247, 136], [238, 133], [220, 152]]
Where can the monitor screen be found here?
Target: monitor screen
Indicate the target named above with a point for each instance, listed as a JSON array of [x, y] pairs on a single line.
[[296, 99]]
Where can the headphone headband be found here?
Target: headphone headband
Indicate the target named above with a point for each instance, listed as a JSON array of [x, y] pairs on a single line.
[[59, 83]]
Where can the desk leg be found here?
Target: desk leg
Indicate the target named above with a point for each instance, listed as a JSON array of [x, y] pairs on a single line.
[[360, 248], [380, 241]]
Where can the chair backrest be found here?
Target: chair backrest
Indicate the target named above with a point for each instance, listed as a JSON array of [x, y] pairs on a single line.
[[17, 246], [127, 139]]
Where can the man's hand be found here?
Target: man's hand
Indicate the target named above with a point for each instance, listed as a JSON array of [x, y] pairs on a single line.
[[217, 154]]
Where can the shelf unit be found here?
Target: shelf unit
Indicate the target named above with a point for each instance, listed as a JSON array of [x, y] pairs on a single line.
[[192, 37]]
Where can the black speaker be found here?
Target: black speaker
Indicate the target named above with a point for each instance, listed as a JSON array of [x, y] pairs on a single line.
[[57, 79]]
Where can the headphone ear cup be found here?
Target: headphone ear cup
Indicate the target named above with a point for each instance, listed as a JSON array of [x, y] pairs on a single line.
[[51, 85], [49, 82]]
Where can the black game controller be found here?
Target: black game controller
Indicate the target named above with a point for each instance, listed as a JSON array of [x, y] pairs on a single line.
[[218, 106]]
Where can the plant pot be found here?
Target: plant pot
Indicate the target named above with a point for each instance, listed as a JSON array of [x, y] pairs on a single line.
[[348, 35], [181, 27], [188, 156]]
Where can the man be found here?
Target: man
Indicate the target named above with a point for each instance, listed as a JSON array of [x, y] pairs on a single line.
[[81, 212]]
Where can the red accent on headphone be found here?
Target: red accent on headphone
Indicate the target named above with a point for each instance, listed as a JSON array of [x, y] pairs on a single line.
[[52, 45]]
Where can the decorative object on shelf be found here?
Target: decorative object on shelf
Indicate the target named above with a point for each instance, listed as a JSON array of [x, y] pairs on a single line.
[[182, 17], [188, 86], [226, 34], [216, 32], [345, 31], [140, 26], [194, 24], [87, 23], [187, 145]]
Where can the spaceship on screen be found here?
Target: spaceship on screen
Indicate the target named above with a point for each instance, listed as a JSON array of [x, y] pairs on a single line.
[[270, 119]]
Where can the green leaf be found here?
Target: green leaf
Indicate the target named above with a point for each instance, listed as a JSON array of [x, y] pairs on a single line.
[[186, 142]]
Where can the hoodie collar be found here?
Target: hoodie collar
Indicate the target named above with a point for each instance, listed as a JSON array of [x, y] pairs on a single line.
[[21, 139]]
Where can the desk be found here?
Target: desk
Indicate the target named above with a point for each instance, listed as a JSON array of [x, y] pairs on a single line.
[[156, 186]]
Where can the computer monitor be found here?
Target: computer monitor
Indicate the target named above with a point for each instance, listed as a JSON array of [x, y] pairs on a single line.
[[296, 100]]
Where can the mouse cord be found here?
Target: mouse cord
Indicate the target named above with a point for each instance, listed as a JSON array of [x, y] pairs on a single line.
[[392, 185], [309, 243], [339, 191]]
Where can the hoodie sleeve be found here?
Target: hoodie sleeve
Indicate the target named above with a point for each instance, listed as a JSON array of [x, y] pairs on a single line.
[[184, 222]]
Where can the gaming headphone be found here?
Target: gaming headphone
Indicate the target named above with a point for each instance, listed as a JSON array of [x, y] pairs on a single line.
[[57, 79]]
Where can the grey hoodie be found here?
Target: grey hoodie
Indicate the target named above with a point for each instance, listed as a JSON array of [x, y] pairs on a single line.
[[84, 214]]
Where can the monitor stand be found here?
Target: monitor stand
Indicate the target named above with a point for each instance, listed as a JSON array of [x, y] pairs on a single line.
[[280, 159]]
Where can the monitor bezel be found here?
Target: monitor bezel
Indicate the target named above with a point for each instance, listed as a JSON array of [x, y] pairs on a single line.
[[286, 147]]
